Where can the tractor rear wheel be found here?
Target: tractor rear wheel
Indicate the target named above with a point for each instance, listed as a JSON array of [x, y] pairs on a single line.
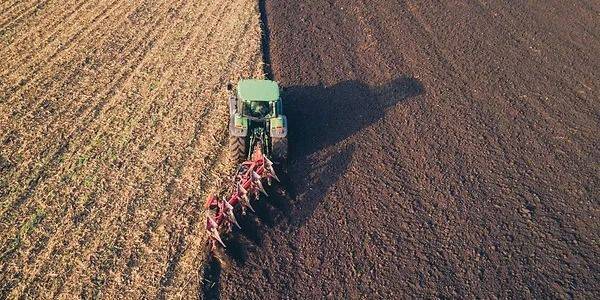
[[280, 149], [237, 149]]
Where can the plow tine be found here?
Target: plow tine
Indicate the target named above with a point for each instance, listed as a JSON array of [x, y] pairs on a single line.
[[256, 179], [217, 237], [275, 176], [245, 200], [236, 223], [262, 190], [213, 229], [250, 207], [269, 168], [229, 213], [246, 204], [267, 161], [271, 174], [242, 192], [210, 223]]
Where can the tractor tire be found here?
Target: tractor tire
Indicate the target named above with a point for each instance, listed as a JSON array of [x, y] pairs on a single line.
[[280, 149], [237, 149]]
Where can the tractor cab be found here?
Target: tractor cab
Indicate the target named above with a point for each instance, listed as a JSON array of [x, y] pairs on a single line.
[[256, 113], [258, 99]]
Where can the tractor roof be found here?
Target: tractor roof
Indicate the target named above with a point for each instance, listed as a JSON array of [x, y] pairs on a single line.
[[258, 90]]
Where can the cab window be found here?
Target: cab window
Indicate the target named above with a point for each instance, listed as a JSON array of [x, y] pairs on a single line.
[[257, 109]]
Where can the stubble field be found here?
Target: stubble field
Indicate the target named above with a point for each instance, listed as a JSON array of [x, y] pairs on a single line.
[[112, 126]]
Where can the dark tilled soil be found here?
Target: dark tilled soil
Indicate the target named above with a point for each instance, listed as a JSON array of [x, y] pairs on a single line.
[[439, 149]]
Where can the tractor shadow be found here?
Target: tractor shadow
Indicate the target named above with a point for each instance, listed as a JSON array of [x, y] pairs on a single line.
[[319, 118]]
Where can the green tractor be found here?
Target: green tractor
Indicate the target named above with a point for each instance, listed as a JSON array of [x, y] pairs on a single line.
[[256, 120]]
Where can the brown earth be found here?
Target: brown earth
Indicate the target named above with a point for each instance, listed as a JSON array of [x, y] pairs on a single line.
[[439, 149], [112, 130]]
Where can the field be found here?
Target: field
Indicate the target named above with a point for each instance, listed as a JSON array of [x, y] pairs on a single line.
[[112, 126], [438, 149]]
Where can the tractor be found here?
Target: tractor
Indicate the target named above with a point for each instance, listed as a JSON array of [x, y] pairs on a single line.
[[257, 141], [256, 119]]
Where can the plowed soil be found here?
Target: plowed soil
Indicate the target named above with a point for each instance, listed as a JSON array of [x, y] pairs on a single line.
[[439, 149], [112, 130]]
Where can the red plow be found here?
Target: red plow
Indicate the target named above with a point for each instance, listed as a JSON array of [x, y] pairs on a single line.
[[247, 182]]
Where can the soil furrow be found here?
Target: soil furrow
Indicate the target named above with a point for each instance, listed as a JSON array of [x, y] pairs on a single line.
[[468, 151]]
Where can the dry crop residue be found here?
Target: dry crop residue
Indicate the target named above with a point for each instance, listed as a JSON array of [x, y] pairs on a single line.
[[112, 125]]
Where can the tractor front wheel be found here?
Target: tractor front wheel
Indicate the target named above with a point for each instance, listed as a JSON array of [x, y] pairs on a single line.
[[280, 149], [237, 149]]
